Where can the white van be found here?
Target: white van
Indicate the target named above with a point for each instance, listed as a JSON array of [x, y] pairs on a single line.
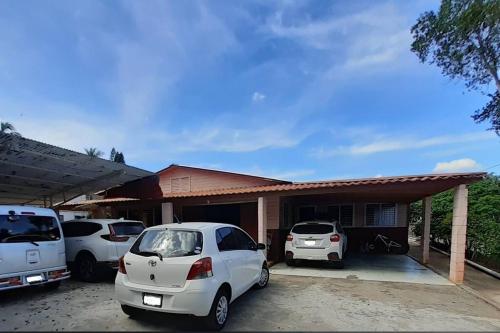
[[31, 248]]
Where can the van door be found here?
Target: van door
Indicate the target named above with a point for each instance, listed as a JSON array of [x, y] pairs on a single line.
[[30, 242]]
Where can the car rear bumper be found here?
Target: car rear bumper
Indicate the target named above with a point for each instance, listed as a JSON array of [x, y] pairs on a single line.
[[196, 301], [330, 253], [20, 279]]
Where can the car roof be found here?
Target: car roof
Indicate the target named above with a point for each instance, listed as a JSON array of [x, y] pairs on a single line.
[[315, 222], [4, 209], [102, 221], [193, 225]]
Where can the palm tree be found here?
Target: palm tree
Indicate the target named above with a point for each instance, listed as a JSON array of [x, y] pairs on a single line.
[[7, 128], [93, 152]]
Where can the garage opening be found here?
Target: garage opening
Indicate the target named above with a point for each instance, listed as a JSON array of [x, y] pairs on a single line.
[[243, 215]]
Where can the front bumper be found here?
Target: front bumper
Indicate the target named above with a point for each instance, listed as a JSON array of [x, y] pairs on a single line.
[[20, 280], [195, 298]]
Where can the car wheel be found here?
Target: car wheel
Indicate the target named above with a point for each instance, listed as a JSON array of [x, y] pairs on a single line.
[[263, 279], [86, 266], [219, 312], [337, 264], [290, 262], [52, 285], [130, 311]]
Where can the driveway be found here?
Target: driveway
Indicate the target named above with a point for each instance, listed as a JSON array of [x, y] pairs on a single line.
[[390, 268], [289, 303]]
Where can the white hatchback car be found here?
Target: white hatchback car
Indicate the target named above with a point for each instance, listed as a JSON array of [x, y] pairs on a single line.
[[94, 244], [193, 268], [316, 240]]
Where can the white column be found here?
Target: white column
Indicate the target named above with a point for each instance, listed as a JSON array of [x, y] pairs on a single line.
[[167, 212], [426, 228], [458, 234], [262, 221]]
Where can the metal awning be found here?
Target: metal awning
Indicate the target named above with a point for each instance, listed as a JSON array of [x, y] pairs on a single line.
[[37, 173]]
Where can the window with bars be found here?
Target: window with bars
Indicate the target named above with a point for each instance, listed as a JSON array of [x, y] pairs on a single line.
[[341, 213], [380, 214]]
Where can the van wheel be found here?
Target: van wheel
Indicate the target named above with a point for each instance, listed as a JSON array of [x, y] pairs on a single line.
[[263, 279], [52, 285], [219, 312], [130, 311], [86, 267]]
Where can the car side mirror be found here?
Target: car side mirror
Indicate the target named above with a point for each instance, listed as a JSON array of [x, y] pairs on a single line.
[[252, 246], [261, 246]]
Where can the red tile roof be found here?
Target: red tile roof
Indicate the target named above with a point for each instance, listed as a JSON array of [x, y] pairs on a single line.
[[456, 177]]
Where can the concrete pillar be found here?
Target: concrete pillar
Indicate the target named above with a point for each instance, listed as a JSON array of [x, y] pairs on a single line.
[[458, 234], [167, 212], [262, 221], [426, 228]]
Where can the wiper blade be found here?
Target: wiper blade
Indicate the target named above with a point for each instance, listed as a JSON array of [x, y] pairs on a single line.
[[151, 253], [34, 243]]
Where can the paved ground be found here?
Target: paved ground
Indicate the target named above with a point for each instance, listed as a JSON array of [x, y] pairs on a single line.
[[486, 285], [390, 268], [289, 303]]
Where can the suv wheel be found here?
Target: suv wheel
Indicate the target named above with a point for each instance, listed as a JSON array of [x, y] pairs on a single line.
[[86, 267], [219, 311]]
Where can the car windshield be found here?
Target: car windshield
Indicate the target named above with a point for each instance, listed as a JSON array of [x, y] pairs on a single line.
[[312, 228], [168, 243], [128, 228], [28, 228]]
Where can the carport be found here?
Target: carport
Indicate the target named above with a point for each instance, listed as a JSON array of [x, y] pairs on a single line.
[[37, 173]]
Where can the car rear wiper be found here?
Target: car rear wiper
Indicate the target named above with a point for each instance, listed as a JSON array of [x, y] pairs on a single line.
[[34, 243], [151, 253]]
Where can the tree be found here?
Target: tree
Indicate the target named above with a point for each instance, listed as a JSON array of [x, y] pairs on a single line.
[[7, 128], [112, 154], [463, 39], [93, 152], [116, 156]]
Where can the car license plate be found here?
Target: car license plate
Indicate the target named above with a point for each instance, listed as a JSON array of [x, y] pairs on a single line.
[[34, 278], [152, 300], [310, 243]]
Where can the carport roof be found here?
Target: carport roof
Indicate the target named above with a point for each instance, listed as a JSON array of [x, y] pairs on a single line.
[[407, 187], [33, 172]]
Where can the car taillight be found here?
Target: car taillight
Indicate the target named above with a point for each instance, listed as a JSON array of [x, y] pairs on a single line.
[[113, 237], [121, 265], [201, 269], [289, 238], [334, 238]]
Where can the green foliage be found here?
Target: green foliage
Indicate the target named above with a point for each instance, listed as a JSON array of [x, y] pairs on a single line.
[[93, 152], [483, 224], [116, 156], [463, 39], [7, 128]]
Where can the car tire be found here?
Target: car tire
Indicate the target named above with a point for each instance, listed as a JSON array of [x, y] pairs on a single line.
[[263, 279], [130, 310], [86, 267], [337, 264], [219, 312], [290, 262], [52, 285]]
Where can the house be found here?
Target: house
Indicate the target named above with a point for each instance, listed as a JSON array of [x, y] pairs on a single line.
[[268, 208]]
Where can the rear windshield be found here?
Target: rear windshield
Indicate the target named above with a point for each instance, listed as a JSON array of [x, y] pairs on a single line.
[[128, 228], [169, 243], [24, 228], [313, 228]]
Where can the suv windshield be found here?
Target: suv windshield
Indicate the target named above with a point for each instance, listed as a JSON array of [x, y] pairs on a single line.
[[28, 228], [128, 228], [168, 243], [312, 228]]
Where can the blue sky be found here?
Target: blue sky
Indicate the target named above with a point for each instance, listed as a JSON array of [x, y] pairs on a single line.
[[288, 89]]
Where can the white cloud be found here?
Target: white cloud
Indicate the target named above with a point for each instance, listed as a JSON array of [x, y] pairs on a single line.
[[460, 165], [258, 97], [387, 144]]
